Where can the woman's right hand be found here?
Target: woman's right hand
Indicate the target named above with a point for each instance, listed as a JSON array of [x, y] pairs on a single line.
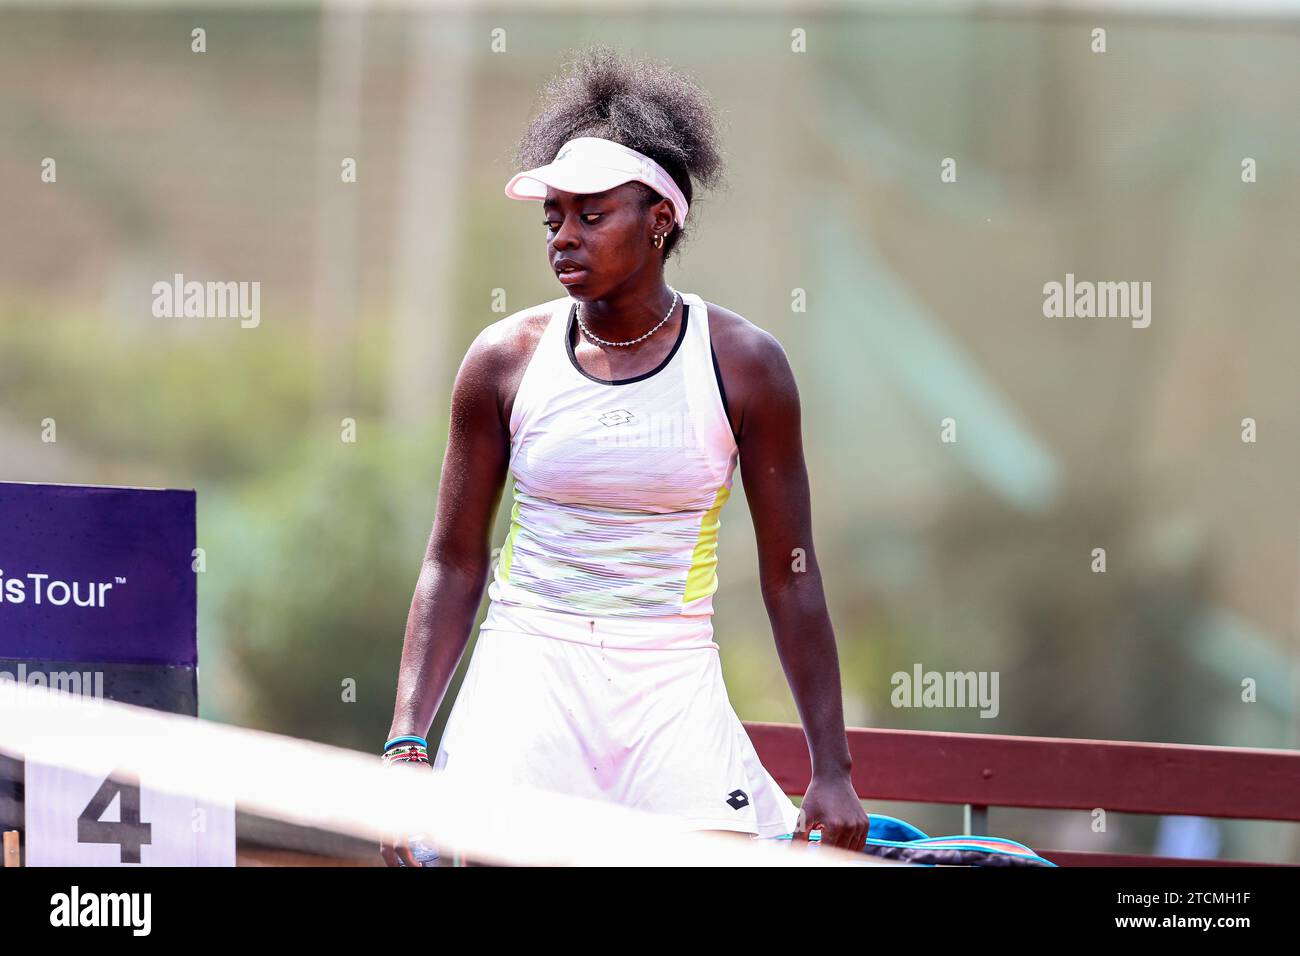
[[397, 848]]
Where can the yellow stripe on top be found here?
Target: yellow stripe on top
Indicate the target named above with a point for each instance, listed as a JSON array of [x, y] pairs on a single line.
[[508, 550], [702, 580]]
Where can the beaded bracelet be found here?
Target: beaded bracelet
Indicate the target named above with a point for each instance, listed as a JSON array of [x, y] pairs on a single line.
[[409, 753], [406, 749]]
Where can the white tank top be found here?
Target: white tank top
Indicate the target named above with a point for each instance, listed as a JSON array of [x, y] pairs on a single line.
[[618, 486]]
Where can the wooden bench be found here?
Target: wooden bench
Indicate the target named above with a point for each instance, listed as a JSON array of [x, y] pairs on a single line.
[[980, 771]]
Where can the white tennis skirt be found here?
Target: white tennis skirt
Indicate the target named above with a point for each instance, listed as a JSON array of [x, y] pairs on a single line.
[[625, 711]]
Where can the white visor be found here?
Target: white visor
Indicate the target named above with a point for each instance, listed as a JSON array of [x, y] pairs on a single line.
[[590, 164]]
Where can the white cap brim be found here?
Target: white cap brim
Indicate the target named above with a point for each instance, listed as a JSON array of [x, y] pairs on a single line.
[[567, 177]]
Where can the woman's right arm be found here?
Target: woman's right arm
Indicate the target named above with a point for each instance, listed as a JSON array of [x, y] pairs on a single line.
[[456, 563]]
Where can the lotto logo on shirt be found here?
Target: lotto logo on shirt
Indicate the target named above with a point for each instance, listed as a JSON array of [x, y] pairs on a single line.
[[41, 589], [624, 428]]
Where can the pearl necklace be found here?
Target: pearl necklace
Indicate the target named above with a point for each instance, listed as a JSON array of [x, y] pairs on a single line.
[[597, 338]]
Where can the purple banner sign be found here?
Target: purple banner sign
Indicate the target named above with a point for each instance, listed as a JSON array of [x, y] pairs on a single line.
[[97, 574]]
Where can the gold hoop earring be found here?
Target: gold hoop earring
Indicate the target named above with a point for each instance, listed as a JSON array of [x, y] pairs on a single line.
[[658, 242]]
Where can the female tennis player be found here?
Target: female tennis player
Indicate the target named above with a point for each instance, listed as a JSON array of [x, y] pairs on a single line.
[[621, 407]]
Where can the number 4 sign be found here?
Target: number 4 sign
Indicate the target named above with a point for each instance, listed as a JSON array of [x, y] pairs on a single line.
[[79, 819], [126, 831]]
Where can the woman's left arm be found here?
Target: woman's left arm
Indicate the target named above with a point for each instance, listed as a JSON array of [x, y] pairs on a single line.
[[776, 486]]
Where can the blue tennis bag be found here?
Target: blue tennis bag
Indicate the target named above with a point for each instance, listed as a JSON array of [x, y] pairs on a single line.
[[894, 839]]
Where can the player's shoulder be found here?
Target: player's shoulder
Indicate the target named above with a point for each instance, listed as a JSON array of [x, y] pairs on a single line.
[[742, 345], [503, 344]]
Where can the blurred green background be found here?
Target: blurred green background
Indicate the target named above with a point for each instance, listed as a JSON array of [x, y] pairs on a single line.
[[924, 301]]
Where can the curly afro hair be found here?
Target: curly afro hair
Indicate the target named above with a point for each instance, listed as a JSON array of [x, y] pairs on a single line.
[[642, 104]]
